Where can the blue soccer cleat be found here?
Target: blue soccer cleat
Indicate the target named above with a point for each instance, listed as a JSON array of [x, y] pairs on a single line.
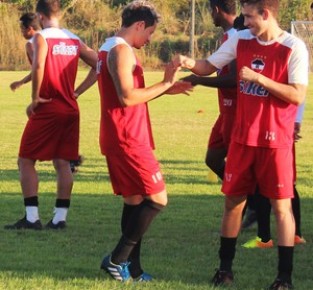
[[144, 277], [117, 272]]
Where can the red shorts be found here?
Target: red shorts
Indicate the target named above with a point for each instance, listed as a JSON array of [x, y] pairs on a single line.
[[221, 131], [135, 173], [51, 136], [271, 169]]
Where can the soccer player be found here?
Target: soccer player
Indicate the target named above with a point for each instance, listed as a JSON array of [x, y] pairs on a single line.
[[52, 130], [29, 24], [223, 13], [272, 70], [126, 137]]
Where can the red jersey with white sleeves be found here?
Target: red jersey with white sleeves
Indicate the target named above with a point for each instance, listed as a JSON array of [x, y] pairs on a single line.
[[227, 97], [60, 69], [262, 119], [121, 128]]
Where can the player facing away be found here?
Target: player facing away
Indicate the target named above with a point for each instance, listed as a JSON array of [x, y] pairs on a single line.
[[52, 130], [272, 80], [29, 24], [126, 137]]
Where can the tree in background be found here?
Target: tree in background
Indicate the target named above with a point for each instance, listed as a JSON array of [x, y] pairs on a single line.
[[94, 20]]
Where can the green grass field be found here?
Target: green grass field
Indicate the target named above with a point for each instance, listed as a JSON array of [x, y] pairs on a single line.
[[180, 249]]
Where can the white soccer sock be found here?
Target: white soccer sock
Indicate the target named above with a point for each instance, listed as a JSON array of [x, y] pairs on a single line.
[[60, 214], [32, 214]]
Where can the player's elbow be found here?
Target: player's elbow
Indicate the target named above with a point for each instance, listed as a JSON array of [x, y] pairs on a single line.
[[298, 101], [300, 94], [125, 101]]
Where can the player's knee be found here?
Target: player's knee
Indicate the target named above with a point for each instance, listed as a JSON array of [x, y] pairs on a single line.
[[60, 164], [155, 205], [159, 199]]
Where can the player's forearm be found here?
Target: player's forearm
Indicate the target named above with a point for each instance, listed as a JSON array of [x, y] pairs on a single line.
[[90, 79], [27, 79], [203, 68], [217, 82], [142, 95], [290, 93], [200, 67]]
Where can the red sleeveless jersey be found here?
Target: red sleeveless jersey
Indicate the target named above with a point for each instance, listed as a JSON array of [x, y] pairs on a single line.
[[227, 97], [121, 128], [60, 70]]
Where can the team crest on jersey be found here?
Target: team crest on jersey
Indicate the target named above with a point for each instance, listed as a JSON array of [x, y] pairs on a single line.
[[257, 65], [63, 49]]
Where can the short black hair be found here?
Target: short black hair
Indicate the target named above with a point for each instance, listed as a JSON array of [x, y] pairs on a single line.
[[49, 7], [30, 20], [228, 6], [139, 10], [239, 22]]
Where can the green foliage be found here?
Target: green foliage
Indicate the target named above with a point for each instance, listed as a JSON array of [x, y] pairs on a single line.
[[292, 10], [94, 20]]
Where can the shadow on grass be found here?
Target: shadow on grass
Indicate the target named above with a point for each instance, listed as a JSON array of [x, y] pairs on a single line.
[[181, 245], [175, 172]]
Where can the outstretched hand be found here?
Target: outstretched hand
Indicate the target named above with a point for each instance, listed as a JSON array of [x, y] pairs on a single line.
[[181, 61], [180, 87], [15, 85], [30, 110], [170, 73], [297, 128]]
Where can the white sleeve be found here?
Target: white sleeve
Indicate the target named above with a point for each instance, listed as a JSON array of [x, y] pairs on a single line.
[[298, 69], [226, 53], [300, 112]]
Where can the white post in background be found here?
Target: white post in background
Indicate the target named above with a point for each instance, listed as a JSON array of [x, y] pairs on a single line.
[[192, 30]]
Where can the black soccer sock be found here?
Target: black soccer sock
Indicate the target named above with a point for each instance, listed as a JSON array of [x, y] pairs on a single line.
[[134, 257], [285, 263], [31, 201], [135, 229], [263, 210], [141, 219], [64, 203], [227, 253], [295, 202], [251, 201], [122, 250]]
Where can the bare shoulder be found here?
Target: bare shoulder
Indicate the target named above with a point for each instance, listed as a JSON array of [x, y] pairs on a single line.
[[121, 54]]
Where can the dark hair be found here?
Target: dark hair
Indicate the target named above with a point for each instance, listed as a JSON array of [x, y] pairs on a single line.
[[272, 5], [228, 6], [239, 22], [49, 7], [139, 11], [311, 5], [30, 20]]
